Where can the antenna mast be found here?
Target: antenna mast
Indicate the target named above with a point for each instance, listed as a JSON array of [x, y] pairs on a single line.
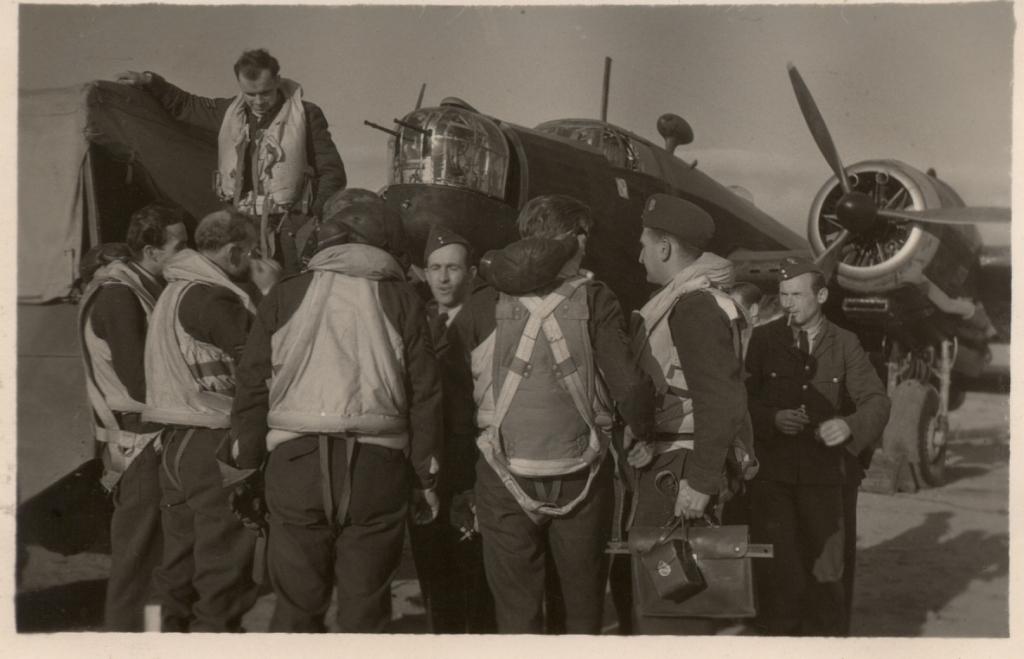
[[604, 88]]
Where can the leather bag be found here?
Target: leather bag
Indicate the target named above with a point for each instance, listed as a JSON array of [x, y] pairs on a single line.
[[672, 566], [721, 555]]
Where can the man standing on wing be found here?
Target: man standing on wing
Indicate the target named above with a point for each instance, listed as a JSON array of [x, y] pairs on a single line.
[[276, 159]]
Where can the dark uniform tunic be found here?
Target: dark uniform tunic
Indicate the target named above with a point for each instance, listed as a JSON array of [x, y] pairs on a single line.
[[797, 498], [450, 567]]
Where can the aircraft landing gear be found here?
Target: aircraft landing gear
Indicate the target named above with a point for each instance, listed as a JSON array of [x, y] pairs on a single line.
[[919, 387]]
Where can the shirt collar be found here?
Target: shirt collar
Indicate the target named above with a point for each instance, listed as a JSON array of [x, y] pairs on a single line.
[[812, 331], [454, 311]]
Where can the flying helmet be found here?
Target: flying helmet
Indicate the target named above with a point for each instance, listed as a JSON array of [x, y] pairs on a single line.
[[368, 222]]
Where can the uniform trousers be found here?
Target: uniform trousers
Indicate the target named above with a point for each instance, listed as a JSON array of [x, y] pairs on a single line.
[[515, 549], [655, 507], [451, 575], [310, 551], [801, 589], [205, 580], [136, 543]]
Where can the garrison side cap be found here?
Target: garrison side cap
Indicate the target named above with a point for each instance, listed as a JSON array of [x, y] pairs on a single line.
[[794, 266], [686, 221], [441, 236]]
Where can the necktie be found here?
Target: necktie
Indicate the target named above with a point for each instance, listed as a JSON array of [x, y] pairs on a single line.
[[440, 324], [803, 342]]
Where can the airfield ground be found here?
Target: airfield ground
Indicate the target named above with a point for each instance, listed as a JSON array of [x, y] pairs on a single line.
[[930, 564]]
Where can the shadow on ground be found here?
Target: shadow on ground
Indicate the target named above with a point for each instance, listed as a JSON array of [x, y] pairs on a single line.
[[925, 572], [71, 516], [976, 452]]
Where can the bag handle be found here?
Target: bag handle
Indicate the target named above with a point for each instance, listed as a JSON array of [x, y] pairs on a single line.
[[669, 527], [667, 484]]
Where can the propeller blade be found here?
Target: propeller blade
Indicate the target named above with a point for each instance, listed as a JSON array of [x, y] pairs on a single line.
[[816, 123], [828, 260], [960, 215]]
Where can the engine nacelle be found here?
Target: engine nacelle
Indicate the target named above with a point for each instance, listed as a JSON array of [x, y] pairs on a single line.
[[890, 254]]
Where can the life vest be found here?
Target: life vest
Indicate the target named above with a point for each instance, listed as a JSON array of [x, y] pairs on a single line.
[[550, 415], [279, 163], [107, 394], [659, 357], [338, 364], [188, 382]]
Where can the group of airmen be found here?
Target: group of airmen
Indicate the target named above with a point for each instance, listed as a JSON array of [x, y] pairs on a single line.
[[283, 396]]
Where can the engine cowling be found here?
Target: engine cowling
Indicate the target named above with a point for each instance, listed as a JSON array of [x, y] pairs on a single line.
[[888, 254]]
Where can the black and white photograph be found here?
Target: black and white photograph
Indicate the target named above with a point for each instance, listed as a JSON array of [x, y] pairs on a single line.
[[602, 320]]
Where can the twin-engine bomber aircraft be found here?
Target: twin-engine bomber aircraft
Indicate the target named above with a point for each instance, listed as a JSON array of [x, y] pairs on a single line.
[[911, 276]]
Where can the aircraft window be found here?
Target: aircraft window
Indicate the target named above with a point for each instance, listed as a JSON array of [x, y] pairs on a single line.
[[451, 146], [617, 148], [646, 160]]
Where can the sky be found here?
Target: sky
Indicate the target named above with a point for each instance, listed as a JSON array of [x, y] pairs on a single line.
[[926, 84]]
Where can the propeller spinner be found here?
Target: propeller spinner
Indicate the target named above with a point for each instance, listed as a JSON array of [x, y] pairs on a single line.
[[857, 213]]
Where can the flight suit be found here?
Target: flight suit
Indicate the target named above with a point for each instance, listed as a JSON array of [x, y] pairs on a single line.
[[206, 575], [797, 498], [515, 546], [337, 495], [326, 168], [118, 317]]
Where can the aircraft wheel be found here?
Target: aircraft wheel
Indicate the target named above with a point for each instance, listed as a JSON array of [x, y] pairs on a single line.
[[932, 441], [931, 437], [919, 430]]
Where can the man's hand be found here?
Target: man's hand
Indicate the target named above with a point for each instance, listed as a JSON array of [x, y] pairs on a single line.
[[640, 455], [791, 422], [264, 273], [247, 502], [425, 505], [689, 502], [463, 514], [135, 78], [834, 432]]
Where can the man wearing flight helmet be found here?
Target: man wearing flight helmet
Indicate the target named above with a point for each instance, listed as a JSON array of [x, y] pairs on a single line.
[[339, 394]]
